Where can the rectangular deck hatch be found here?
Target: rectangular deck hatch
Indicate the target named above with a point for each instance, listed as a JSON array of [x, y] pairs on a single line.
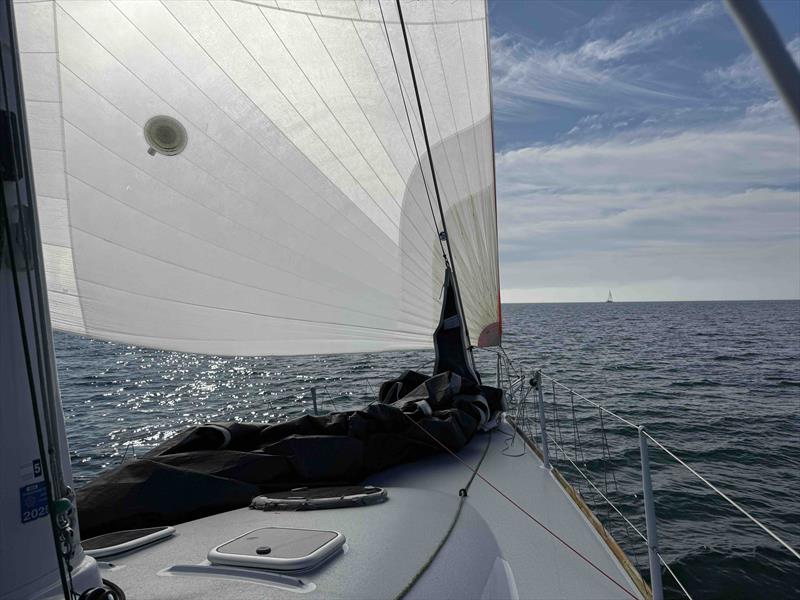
[[119, 542], [279, 549]]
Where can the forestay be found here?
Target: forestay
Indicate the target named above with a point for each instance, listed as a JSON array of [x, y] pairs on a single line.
[[296, 218]]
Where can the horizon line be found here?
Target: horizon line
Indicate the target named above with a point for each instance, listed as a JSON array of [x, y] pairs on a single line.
[[646, 301]]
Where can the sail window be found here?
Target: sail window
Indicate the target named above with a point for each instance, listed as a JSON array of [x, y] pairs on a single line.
[[165, 135]]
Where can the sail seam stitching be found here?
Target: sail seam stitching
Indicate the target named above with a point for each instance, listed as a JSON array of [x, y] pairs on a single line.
[[207, 274], [324, 143], [63, 133], [210, 242], [192, 82], [359, 20], [155, 179], [364, 114], [166, 185], [253, 103], [333, 114], [243, 312], [433, 171], [411, 130], [488, 45]]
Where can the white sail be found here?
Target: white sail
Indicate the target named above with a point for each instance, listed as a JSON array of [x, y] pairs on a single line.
[[296, 218]]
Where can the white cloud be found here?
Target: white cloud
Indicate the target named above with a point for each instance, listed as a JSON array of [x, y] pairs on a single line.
[[747, 73], [522, 73], [583, 76], [704, 212], [648, 35], [699, 271], [661, 192], [742, 153]]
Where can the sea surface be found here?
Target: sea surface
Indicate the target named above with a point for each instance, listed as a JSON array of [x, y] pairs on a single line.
[[716, 382]]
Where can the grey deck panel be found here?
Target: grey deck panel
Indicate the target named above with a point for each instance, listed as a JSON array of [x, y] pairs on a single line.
[[543, 567], [387, 544], [383, 550]]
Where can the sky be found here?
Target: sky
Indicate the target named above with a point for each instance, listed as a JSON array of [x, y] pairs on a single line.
[[640, 147]]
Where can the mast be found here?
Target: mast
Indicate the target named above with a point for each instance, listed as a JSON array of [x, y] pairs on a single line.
[[766, 42], [40, 552]]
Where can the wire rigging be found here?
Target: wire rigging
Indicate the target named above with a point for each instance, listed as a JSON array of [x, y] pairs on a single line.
[[411, 129], [451, 264], [477, 474], [423, 125]]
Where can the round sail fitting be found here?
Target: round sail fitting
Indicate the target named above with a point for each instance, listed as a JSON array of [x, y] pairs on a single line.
[[165, 135]]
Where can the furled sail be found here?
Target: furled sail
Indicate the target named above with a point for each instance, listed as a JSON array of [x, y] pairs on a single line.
[[248, 176]]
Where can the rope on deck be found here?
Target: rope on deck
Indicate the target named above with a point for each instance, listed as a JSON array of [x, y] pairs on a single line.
[[462, 496], [552, 533]]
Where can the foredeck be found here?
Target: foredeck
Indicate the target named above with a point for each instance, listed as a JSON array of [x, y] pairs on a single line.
[[542, 566], [390, 544]]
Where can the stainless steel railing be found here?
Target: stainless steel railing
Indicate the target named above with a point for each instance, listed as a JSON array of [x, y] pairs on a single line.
[[547, 432]]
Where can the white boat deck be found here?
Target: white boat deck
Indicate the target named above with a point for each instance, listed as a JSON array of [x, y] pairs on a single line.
[[542, 566], [494, 550]]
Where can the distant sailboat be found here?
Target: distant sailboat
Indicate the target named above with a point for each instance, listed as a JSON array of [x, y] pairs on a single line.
[[610, 297]]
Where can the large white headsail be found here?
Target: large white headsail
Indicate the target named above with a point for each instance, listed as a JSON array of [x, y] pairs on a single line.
[[296, 219]]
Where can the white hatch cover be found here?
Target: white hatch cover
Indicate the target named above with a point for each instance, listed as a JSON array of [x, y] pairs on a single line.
[[279, 548]]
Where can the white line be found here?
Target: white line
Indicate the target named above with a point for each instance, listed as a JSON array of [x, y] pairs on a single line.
[[724, 495]]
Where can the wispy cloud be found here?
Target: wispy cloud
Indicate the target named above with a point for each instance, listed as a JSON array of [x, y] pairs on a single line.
[[584, 74], [648, 35], [746, 72]]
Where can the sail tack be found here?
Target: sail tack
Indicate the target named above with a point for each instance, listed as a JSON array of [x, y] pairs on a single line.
[[293, 216]]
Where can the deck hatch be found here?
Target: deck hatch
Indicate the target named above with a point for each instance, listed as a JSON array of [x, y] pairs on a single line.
[[279, 548], [320, 498], [119, 542]]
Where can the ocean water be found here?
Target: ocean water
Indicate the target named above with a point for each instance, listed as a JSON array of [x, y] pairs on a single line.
[[716, 382]]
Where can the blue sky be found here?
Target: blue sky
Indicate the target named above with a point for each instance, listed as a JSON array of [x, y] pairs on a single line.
[[640, 147]]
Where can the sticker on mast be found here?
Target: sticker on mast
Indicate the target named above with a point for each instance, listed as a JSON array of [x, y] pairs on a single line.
[[33, 501]]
